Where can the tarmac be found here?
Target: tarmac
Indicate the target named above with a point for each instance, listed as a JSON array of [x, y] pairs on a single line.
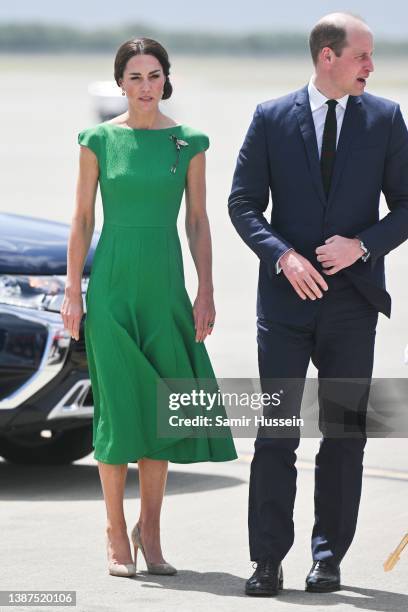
[[55, 521]]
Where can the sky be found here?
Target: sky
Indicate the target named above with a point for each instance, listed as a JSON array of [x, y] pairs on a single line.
[[387, 19]]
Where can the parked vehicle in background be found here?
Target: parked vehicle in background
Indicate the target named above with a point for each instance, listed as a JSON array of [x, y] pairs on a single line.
[[46, 404]]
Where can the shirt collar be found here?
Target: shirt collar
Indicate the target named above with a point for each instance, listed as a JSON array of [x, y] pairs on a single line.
[[317, 99]]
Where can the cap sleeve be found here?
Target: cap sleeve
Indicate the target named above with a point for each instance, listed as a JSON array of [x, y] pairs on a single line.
[[199, 142], [89, 138]]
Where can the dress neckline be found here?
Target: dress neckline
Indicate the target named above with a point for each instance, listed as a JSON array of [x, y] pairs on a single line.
[[128, 129]]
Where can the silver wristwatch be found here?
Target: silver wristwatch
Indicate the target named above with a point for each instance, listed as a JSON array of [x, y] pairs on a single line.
[[366, 252]]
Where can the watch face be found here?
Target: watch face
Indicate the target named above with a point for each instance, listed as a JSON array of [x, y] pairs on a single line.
[[365, 254]]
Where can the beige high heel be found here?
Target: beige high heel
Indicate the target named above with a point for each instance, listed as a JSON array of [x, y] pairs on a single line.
[[164, 569], [125, 570]]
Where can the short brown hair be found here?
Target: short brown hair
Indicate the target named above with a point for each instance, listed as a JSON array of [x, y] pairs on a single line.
[[143, 46], [326, 34]]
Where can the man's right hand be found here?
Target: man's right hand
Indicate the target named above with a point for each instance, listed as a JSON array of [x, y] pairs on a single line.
[[304, 278]]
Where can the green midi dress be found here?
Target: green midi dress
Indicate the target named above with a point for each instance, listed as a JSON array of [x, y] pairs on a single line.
[[139, 323]]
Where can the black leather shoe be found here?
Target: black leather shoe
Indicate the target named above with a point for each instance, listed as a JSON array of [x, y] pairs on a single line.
[[324, 577], [266, 580]]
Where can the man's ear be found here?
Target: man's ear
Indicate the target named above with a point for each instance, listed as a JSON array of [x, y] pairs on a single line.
[[326, 54]]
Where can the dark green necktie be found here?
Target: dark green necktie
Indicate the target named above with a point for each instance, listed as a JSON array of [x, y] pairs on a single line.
[[328, 154]]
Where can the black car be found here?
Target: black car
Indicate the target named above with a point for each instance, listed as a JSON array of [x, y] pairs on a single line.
[[46, 404]]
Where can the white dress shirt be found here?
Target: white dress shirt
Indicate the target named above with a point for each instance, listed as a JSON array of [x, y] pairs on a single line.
[[319, 110]]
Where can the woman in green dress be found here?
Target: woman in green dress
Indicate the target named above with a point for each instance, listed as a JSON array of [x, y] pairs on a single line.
[[140, 325]]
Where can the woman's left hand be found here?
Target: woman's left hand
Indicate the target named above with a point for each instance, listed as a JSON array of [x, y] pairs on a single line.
[[204, 313]]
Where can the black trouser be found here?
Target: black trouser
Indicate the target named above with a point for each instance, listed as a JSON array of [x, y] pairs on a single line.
[[340, 341]]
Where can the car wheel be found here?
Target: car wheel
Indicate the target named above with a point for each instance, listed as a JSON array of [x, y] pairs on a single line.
[[61, 447]]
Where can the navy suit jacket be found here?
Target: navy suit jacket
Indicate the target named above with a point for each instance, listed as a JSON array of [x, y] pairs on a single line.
[[280, 157]]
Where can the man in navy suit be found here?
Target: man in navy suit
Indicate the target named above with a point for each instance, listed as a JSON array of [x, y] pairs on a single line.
[[324, 153]]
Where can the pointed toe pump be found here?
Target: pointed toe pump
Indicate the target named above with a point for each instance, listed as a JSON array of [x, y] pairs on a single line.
[[125, 570], [163, 569]]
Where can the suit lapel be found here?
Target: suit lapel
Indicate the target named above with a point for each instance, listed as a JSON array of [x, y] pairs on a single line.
[[352, 120], [307, 128], [349, 129]]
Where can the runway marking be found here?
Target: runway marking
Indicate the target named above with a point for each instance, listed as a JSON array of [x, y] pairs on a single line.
[[369, 472]]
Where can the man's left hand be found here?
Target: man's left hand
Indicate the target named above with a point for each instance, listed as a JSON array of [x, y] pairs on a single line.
[[338, 253]]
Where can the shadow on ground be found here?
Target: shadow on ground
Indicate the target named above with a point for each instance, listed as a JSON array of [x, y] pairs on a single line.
[[229, 585], [81, 482]]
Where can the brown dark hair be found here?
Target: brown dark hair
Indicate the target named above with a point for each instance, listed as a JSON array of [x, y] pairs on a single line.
[[326, 34], [331, 32], [143, 46]]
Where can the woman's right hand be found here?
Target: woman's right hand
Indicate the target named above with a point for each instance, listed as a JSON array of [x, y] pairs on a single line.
[[72, 311]]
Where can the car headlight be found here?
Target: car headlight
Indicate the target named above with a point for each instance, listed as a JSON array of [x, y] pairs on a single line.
[[39, 292]]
